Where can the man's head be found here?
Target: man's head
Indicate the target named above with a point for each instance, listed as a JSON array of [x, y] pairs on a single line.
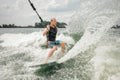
[[53, 22]]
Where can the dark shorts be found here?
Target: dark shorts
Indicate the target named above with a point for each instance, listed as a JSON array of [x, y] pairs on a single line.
[[54, 43]]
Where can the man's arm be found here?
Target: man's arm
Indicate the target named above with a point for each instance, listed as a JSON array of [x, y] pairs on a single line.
[[46, 30]]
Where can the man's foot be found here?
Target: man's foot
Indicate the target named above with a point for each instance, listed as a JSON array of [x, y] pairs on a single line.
[[44, 62], [62, 51]]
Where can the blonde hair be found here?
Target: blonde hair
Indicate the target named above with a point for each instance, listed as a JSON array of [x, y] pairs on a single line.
[[53, 19]]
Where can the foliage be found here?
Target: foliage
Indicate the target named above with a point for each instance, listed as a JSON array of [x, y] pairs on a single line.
[[37, 25]]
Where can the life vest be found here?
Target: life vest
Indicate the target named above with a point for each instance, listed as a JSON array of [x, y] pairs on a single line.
[[51, 35]]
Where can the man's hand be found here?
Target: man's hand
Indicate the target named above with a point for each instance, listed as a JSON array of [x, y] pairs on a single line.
[[46, 30]]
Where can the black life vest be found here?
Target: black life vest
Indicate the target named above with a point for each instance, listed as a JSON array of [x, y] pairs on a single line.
[[51, 35]]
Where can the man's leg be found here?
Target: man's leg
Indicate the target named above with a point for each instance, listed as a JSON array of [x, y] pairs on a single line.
[[50, 53], [62, 44]]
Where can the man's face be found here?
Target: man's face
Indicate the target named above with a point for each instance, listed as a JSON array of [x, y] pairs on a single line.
[[54, 22]]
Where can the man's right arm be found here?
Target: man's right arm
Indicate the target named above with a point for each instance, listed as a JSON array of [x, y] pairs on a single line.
[[46, 30]]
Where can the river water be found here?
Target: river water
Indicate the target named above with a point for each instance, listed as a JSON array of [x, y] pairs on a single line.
[[93, 47]]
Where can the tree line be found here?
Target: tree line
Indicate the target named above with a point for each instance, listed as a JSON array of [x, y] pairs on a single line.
[[36, 25]]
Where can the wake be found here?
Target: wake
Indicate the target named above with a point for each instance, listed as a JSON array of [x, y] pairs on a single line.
[[99, 20]]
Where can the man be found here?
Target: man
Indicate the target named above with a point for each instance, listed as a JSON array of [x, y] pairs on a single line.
[[50, 31]]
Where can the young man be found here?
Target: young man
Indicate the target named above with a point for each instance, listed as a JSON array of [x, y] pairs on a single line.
[[50, 31]]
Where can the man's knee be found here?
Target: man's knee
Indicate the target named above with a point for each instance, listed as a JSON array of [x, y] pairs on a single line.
[[62, 44], [54, 48]]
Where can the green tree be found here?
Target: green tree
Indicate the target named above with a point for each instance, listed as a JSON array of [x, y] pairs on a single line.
[[45, 23]]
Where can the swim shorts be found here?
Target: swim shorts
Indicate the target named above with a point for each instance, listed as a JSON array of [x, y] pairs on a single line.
[[54, 43]]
